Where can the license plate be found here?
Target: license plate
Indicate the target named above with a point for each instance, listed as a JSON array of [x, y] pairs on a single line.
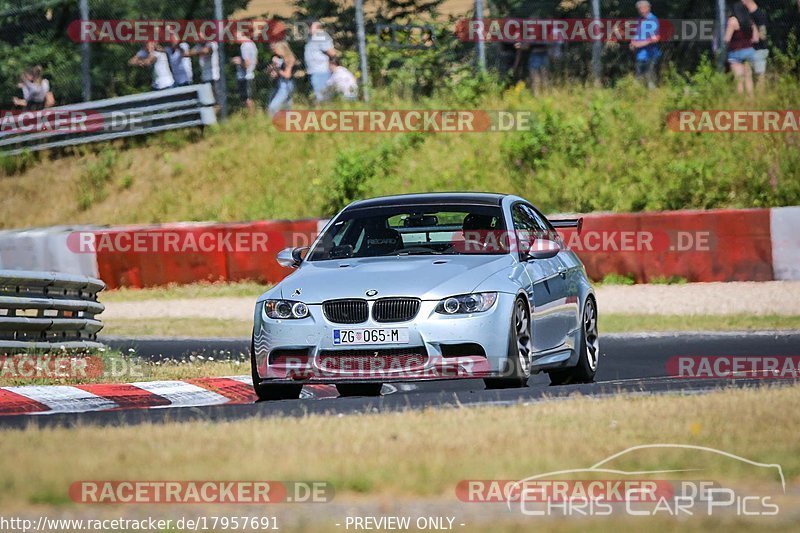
[[370, 336]]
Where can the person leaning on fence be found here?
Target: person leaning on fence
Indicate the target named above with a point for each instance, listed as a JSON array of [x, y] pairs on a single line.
[[761, 51], [246, 63], [208, 59], [317, 55], [281, 69], [342, 82], [36, 92], [176, 52], [152, 55], [645, 45], [740, 35]]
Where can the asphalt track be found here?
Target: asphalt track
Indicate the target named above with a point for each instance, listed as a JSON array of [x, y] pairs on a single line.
[[633, 363]]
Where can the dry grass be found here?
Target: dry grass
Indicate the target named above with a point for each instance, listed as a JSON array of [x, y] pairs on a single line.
[[116, 368], [248, 289], [210, 327], [417, 454], [177, 327]]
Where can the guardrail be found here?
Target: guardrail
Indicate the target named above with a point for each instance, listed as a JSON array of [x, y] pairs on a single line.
[[48, 311], [105, 120]]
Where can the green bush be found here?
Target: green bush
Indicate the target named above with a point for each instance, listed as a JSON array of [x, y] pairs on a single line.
[[355, 168]]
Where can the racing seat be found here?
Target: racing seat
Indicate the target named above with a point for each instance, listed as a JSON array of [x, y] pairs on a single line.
[[380, 240], [476, 230]]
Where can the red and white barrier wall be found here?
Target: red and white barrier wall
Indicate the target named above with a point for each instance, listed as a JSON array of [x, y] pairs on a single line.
[[701, 246]]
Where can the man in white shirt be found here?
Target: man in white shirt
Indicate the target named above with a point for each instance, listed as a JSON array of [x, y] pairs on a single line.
[[318, 52], [176, 53], [246, 63], [187, 61], [150, 55], [342, 81], [208, 59]]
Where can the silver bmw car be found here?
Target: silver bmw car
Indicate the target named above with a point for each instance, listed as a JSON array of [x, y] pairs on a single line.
[[427, 287]]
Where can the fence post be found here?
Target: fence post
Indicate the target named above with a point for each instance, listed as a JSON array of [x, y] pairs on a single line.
[[597, 47], [721, 36], [222, 88], [86, 76], [481, 44], [362, 48]]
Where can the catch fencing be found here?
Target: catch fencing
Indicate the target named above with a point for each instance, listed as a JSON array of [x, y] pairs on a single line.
[[409, 50]]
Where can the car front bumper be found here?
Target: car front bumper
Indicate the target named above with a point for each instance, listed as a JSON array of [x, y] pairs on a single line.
[[439, 347]]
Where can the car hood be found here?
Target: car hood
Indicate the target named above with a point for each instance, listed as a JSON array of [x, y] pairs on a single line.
[[425, 277]]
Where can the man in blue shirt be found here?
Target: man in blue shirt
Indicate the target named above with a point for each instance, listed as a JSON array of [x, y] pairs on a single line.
[[645, 45]]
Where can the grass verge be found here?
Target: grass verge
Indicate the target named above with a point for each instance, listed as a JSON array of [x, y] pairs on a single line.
[[112, 367], [248, 289], [419, 454], [609, 323], [579, 136]]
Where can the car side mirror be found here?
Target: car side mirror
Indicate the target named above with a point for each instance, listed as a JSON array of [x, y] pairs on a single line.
[[543, 249], [291, 257]]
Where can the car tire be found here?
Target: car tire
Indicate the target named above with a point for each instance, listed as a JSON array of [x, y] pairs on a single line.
[[270, 392], [359, 389], [518, 366], [589, 351]]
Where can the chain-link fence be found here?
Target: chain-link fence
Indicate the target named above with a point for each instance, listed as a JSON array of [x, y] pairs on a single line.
[[410, 51]]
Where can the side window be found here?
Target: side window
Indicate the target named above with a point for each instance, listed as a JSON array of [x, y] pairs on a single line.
[[525, 226], [523, 222], [545, 228]]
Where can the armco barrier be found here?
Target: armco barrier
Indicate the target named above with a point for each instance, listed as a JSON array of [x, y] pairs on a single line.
[[48, 311], [715, 245]]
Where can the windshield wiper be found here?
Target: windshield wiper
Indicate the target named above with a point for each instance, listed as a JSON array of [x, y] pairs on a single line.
[[418, 252]]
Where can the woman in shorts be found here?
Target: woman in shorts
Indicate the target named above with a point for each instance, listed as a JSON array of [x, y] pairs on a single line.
[[740, 35]]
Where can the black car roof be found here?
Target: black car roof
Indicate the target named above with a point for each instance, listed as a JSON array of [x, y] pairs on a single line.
[[443, 198]]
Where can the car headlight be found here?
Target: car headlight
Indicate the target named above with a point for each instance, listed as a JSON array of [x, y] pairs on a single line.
[[284, 309], [467, 303]]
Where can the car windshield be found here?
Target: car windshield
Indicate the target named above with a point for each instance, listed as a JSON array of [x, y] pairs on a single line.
[[411, 230]]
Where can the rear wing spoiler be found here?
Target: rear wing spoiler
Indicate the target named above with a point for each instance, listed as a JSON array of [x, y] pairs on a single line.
[[576, 223]]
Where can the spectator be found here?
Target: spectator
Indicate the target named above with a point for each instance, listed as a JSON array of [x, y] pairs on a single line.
[[246, 63], [152, 55], [538, 64], [282, 70], [645, 45], [318, 53], [761, 54], [208, 58], [740, 35], [342, 82], [36, 92], [179, 62]]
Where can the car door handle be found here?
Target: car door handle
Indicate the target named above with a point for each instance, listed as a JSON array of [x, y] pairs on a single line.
[[562, 272]]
